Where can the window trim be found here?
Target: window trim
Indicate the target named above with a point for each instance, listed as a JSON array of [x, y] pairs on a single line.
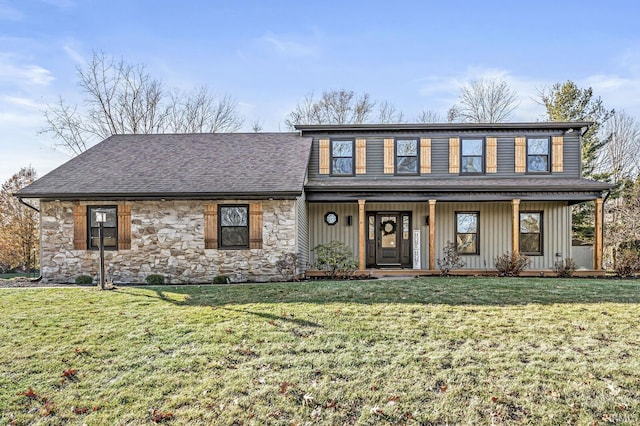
[[540, 234], [353, 156], [220, 226], [477, 233], [90, 210], [395, 156], [549, 156], [483, 156]]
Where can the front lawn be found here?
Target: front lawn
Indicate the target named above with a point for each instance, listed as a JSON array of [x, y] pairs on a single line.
[[421, 351]]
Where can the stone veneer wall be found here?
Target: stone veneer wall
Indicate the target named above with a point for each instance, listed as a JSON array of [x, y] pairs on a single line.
[[167, 237]]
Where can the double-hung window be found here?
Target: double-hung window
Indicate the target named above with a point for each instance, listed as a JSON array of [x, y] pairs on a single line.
[[342, 158], [467, 232], [472, 161], [110, 227], [406, 156], [531, 233], [234, 226], [538, 155]]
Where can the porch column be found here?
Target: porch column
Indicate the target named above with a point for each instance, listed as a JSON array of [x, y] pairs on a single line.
[[361, 235], [515, 226], [432, 235], [597, 238]]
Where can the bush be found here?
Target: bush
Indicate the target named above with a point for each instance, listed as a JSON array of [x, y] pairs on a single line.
[[627, 262], [221, 279], [84, 279], [564, 268], [288, 266], [335, 258], [155, 279], [451, 259], [511, 264]]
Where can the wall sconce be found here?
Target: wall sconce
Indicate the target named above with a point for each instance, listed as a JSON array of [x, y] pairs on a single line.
[[349, 220], [558, 254], [426, 220]]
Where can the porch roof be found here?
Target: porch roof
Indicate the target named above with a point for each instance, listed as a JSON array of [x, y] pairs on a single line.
[[456, 189]]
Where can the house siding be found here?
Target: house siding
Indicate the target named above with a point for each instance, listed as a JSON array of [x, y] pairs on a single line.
[[495, 228], [167, 237], [440, 154]]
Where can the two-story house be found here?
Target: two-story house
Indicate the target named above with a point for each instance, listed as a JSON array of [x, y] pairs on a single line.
[[193, 206]]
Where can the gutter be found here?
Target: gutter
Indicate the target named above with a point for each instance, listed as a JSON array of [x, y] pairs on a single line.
[[27, 204]]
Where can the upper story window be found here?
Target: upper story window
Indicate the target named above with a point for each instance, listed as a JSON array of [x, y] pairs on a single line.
[[538, 155], [467, 232], [234, 227], [110, 227], [406, 156], [342, 158], [531, 233], [472, 154]]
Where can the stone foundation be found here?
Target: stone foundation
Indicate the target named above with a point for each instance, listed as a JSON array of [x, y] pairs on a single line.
[[167, 237]]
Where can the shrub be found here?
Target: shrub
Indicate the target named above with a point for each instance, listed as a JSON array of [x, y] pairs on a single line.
[[221, 279], [511, 264], [627, 262], [564, 268], [451, 259], [288, 266], [155, 279], [84, 279], [335, 258]]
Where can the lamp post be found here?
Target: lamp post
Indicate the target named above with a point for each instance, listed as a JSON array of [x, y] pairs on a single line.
[[101, 218]]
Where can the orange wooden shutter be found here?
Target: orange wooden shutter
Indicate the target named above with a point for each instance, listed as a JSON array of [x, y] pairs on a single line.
[[521, 154], [211, 226], [492, 155], [79, 227], [324, 156], [557, 147], [255, 225], [361, 156], [388, 156], [425, 155], [454, 155], [124, 227]]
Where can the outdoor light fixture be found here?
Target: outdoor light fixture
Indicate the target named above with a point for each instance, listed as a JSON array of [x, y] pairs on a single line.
[[101, 218]]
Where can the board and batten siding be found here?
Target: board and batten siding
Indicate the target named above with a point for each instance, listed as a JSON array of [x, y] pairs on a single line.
[[495, 231], [321, 233], [439, 155]]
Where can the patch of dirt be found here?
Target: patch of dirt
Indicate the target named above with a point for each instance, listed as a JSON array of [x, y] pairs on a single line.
[[25, 283]]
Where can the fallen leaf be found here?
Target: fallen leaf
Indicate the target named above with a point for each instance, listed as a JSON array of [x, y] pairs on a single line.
[[79, 410], [284, 386], [30, 393], [158, 416], [69, 374]]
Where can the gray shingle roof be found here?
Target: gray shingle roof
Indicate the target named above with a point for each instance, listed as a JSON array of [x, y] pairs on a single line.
[[182, 165]]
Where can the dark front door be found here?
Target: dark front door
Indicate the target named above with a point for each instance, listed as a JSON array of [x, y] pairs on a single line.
[[388, 239], [389, 246]]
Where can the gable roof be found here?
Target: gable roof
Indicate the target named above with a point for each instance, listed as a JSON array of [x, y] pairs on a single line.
[[199, 166]]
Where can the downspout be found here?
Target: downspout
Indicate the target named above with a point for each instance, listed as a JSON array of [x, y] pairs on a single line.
[[27, 204], [38, 278]]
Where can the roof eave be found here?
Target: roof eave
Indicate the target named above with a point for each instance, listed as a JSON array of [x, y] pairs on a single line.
[[102, 196], [557, 125]]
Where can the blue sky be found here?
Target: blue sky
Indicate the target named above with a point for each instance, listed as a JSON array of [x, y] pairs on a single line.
[[270, 54]]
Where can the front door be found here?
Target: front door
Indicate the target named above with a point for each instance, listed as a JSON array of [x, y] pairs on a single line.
[[388, 253], [388, 239]]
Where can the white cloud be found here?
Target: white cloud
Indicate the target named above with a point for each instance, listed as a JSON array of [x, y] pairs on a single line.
[[294, 47], [21, 75], [74, 54]]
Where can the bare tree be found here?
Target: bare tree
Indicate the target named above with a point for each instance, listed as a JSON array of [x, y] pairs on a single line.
[[484, 101], [621, 155], [333, 107], [201, 112], [121, 98], [428, 116], [387, 113], [19, 224]]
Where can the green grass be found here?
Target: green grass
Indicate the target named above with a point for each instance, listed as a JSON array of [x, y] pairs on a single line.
[[421, 351]]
